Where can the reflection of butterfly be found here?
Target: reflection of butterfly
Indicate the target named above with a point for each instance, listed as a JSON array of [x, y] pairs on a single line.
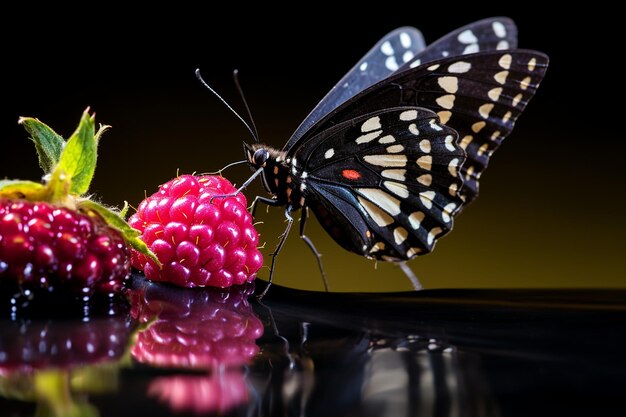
[[396, 148]]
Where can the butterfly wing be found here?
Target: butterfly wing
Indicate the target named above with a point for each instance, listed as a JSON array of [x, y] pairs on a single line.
[[479, 95], [393, 50], [496, 33], [384, 184]]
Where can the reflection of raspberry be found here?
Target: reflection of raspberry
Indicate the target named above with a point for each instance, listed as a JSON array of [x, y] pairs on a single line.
[[199, 328], [199, 240], [42, 344], [218, 392]]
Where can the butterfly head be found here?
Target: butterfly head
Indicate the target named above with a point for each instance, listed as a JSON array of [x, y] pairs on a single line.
[[256, 155]]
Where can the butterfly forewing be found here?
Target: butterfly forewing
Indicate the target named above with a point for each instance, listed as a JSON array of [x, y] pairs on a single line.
[[390, 53], [479, 95], [385, 184], [497, 33]]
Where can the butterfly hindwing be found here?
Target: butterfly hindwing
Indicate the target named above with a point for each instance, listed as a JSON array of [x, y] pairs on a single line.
[[385, 184], [496, 33], [392, 51]]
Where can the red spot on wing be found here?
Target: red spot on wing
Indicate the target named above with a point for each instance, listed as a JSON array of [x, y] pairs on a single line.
[[351, 174]]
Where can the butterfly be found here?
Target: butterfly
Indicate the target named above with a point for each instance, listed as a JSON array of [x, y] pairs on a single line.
[[396, 149]]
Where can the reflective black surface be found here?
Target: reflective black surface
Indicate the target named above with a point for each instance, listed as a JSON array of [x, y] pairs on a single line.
[[221, 352]]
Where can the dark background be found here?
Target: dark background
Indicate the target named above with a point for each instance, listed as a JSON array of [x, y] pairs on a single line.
[[551, 210]]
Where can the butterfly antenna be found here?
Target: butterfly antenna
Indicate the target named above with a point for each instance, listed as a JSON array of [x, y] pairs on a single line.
[[245, 103], [252, 132]]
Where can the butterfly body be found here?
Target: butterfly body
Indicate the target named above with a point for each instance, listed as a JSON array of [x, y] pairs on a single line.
[[387, 166]]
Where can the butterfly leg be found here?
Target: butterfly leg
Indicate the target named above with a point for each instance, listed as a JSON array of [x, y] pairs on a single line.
[[281, 242], [417, 285], [267, 201], [318, 256]]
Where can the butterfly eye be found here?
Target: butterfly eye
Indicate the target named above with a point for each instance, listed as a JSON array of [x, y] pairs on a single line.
[[260, 157]]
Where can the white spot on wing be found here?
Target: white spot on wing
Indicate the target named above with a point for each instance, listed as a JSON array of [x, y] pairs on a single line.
[[425, 179], [425, 162], [433, 67], [505, 61], [378, 246], [363, 66], [386, 160], [382, 200], [494, 93], [413, 252], [387, 139], [368, 137], [501, 77], [531, 64], [425, 146], [502, 45], [467, 139], [400, 234], [386, 48], [373, 123], [329, 153], [407, 56], [444, 116], [495, 135], [459, 67], [499, 29], [525, 83], [453, 189], [478, 126], [415, 219], [448, 84], [398, 189], [408, 115], [395, 148], [506, 117], [449, 142], [394, 174], [517, 99], [413, 129], [427, 198], [447, 211], [405, 39], [482, 149], [447, 101], [471, 49], [433, 234], [467, 36], [415, 63], [391, 63], [380, 217], [434, 125], [484, 110], [453, 167]]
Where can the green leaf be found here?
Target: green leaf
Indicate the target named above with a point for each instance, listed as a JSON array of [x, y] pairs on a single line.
[[78, 159], [22, 189], [48, 143], [114, 220], [124, 210]]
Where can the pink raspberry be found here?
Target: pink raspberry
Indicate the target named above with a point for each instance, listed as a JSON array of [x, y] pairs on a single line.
[[199, 240]]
